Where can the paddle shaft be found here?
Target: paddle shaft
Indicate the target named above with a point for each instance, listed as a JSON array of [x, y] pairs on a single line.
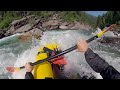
[[60, 54]]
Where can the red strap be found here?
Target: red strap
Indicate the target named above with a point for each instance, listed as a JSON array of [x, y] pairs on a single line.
[[59, 60]]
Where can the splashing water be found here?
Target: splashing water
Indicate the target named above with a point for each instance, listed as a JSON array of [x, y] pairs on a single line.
[[77, 66], [65, 39]]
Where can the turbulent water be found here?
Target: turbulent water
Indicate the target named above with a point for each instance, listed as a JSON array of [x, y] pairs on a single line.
[[16, 52]]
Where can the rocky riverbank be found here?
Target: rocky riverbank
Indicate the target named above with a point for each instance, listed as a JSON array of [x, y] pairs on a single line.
[[34, 27]]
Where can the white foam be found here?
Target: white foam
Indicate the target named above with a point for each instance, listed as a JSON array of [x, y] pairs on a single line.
[[65, 39], [22, 59]]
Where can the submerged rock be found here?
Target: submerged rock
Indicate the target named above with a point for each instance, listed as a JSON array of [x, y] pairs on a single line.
[[112, 40], [36, 33]]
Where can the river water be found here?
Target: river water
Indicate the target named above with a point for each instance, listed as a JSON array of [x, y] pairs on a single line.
[[16, 52]]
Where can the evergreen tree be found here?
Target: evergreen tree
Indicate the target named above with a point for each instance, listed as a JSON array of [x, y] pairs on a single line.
[[111, 17]]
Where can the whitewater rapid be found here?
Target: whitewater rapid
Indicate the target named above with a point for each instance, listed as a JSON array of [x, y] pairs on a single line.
[[65, 39], [23, 52]]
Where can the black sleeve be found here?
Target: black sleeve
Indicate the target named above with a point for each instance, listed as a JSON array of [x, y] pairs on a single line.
[[29, 75], [110, 73], [99, 65]]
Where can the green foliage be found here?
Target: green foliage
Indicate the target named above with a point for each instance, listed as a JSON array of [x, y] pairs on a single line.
[[7, 18], [80, 16], [70, 16], [111, 17], [43, 14], [118, 23], [89, 19]]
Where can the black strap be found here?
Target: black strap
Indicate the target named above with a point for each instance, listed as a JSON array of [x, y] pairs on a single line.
[[48, 78], [49, 51], [46, 50], [41, 52]]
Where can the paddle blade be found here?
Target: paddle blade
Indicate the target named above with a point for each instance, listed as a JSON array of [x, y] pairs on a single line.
[[100, 34], [12, 69], [110, 28]]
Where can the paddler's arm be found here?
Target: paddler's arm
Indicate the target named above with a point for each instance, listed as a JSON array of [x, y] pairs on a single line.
[[97, 63], [29, 69], [29, 75]]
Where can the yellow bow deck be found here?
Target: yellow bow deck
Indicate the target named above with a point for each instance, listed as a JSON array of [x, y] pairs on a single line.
[[44, 70]]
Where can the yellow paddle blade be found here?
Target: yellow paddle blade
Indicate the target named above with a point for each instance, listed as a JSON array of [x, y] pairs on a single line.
[[16, 70], [100, 34]]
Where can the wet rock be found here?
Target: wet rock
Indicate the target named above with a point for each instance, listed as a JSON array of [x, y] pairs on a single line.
[[78, 25], [25, 37], [37, 24], [112, 40], [22, 29], [19, 26], [18, 23], [37, 33], [63, 27], [2, 33], [51, 25], [51, 22], [58, 24], [64, 23], [54, 27], [26, 27]]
